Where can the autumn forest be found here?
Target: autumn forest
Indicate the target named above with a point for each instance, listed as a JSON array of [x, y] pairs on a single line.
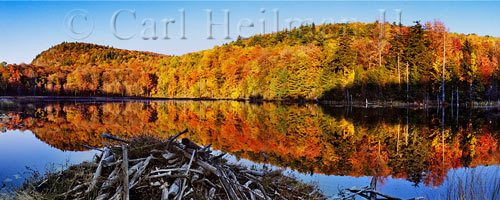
[[354, 61]]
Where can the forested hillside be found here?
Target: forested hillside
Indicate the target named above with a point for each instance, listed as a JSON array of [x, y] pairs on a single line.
[[80, 69], [334, 62]]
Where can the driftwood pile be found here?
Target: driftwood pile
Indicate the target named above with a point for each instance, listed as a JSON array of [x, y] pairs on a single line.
[[159, 169]]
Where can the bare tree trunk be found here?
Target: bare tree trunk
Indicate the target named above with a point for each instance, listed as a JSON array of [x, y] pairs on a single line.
[[380, 56], [347, 97], [470, 91], [444, 62], [397, 143], [452, 98], [442, 132], [406, 128], [399, 73], [407, 82]]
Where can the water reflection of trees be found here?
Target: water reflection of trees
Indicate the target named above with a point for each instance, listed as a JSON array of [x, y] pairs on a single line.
[[403, 143]]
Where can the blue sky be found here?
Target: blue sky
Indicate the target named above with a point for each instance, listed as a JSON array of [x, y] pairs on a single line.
[[27, 28]]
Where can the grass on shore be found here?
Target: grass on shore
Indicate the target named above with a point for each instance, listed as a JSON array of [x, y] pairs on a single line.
[[472, 184]]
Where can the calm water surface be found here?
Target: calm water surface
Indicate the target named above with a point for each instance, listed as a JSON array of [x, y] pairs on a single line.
[[414, 152]]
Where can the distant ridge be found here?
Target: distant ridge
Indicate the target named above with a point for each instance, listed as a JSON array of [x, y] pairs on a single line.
[[71, 53]]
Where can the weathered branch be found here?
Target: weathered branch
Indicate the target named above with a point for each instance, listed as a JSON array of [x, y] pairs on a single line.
[[98, 170], [187, 172], [125, 173], [91, 147], [175, 137], [108, 136]]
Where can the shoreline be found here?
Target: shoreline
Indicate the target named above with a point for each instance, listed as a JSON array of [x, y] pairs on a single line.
[[366, 103]]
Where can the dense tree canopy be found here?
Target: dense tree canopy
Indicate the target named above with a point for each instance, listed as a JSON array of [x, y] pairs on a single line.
[[372, 61]]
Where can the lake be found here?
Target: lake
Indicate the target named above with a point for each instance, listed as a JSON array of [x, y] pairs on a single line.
[[413, 152]]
